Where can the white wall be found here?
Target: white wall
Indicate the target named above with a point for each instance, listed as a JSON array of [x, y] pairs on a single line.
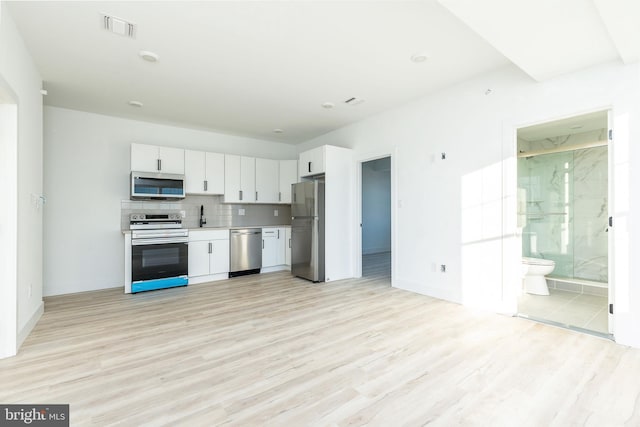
[[461, 211], [86, 178], [376, 206], [20, 78]]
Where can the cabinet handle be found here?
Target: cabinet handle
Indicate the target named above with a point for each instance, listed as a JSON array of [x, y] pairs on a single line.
[[289, 243], [278, 234], [279, 196], [206, 184], [240, 192], [256, 196], [210, 247], [159, 164], [262, 243], [309, 167]]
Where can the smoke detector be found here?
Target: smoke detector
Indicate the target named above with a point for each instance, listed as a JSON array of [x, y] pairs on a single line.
[[149, 56], [119, 26]]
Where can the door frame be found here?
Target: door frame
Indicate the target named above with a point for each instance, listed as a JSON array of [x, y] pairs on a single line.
[[358, 210], [510, 173], [8, 220]]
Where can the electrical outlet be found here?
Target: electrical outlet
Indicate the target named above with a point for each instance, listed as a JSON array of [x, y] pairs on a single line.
[[275, 212], [183, 214], [443, 268], [241, 212]]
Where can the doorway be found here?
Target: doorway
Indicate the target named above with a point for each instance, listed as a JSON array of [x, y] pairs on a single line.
[[376, 218], [563, 220]]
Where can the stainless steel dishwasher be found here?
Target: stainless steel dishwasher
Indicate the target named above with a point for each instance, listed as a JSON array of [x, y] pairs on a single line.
[[245, 251]]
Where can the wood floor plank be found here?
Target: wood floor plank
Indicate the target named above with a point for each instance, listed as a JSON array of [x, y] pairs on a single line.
[[275, 350]]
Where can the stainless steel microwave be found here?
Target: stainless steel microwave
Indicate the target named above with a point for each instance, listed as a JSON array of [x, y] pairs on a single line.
[[149, 185]]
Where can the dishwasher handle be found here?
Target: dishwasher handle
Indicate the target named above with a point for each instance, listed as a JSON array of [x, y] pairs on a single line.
[[246, 231]]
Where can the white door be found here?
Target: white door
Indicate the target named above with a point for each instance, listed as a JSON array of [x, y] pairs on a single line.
[[144, 158], [198, 258], [288, 175], [171, 160], [269, 247], [219, 256], [281, 242], [231, 178], [267, 183], [194, 167], [287, 248], [248, 179], [214, 174]]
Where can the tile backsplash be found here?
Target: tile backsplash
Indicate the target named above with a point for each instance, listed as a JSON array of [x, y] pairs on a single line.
[[217, 214]]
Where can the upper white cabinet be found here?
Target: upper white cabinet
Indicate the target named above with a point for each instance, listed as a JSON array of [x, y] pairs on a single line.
[[312, 162], [239, 179], [204, 172], [152, 158], [267, 181], [288, 175]]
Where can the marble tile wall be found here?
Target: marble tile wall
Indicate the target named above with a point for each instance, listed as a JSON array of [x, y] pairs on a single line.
[[566, 211], [218, 214]]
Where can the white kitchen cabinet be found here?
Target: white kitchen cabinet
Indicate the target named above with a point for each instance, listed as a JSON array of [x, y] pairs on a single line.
[[288, 175], [287, 248], [239, 179], [208, 255], [267, 181], [312, 162], [273, 249], [153, 158], [204, 172]]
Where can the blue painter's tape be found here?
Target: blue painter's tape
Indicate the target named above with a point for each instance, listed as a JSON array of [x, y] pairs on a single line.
[[149, 285]]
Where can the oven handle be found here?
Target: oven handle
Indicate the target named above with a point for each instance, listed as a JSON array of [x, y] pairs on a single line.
[[145, 242]]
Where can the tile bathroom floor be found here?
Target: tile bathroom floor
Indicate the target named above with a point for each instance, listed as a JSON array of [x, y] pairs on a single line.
[[568, 308]]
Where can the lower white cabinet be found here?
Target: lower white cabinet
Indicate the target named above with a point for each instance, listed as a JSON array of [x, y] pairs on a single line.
[[208, 255], [274, 245], [287, 248]]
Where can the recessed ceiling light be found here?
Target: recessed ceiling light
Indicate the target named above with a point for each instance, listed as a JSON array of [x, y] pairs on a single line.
[[574, 127], [419, 57], [149, 56], [328, 105], [278, 131], [137, 104]]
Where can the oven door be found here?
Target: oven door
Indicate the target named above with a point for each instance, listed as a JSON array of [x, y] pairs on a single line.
[[159, 258]]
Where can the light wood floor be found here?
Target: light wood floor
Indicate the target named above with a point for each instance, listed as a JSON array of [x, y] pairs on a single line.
[[273, 350]]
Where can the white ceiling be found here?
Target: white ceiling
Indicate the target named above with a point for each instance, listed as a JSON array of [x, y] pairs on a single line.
[[246, 68]]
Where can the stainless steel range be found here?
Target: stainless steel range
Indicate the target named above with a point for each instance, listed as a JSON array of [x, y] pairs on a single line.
[[159, 252]]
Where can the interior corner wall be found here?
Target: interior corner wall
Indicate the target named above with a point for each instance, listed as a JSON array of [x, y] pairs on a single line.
[[455, 211], [87, 165], [19, 73]]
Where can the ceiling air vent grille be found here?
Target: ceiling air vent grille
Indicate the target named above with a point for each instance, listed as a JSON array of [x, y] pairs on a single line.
[[119, 26]]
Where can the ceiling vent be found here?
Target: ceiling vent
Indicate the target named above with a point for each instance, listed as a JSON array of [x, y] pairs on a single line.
[[354, 101], [119, 26]]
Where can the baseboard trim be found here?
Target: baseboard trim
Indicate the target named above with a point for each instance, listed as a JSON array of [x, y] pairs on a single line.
[[24, 333]]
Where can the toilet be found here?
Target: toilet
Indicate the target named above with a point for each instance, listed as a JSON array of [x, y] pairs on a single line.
[[534, 270]]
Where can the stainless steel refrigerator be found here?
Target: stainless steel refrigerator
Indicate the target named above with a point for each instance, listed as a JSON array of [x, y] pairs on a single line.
[[307, 230]]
